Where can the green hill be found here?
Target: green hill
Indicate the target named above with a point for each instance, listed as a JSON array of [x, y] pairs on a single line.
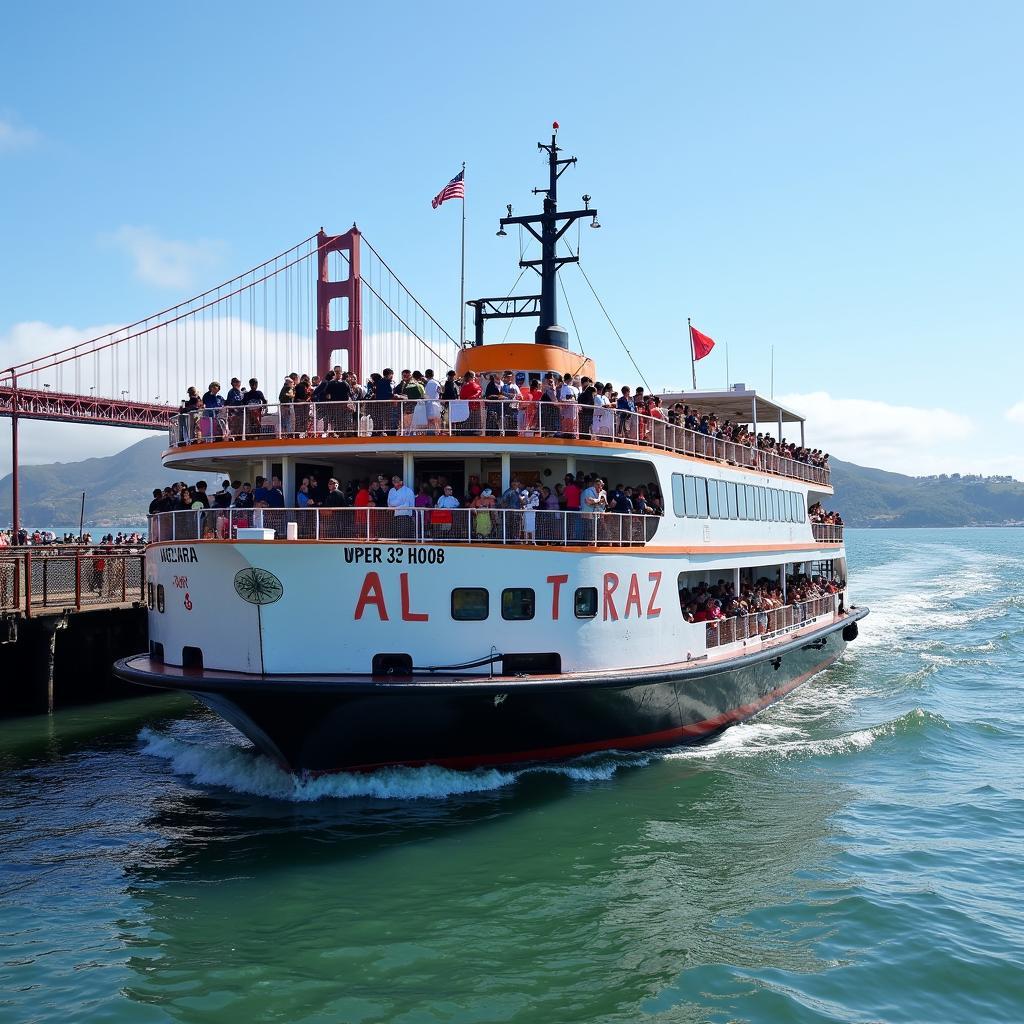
[[873, 497], [118, 489]]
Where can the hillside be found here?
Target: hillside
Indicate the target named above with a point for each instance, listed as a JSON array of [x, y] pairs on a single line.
[[118, 489], [874, 497]]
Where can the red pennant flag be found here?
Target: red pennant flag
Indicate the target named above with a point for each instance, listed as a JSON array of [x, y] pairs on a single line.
[[702, 344]]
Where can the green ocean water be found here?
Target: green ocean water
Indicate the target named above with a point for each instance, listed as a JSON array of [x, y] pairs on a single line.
[[852, 854]]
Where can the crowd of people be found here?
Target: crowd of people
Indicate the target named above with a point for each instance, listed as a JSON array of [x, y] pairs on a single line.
[[509, 403], [756, 598], [819, 515], [47, 538], [432, 507]]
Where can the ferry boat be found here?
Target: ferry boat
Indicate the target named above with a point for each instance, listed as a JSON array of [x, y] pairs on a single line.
[[341, 638]]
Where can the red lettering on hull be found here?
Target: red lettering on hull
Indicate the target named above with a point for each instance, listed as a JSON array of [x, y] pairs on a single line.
[[372, 592], [633, 598], [556, 586], [652, 611], [407, 614], [611, 584]]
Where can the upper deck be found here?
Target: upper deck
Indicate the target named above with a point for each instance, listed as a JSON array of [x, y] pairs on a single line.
[[226, 431]]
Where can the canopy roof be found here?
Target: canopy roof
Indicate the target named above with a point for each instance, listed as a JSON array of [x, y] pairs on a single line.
[[736, 404]]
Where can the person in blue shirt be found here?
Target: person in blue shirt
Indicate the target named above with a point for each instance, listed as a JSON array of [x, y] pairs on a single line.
[[213, 401], [234, 400], [626, 413]]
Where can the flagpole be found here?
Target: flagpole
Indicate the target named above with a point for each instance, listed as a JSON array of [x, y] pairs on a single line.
[[693, 361], [462, 284]]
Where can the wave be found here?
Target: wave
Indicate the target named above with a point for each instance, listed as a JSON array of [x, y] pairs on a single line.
[[242, 769], [759, 739], [245, 770]]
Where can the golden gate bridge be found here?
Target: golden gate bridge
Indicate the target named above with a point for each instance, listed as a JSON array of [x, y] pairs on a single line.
[[306, 309]]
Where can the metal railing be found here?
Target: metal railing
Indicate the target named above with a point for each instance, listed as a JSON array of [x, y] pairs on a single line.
[[476, 418], [32, 582], [412, 525], [769, 623], [827, 533]]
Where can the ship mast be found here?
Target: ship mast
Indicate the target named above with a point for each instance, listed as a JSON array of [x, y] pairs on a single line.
[[547, 227]]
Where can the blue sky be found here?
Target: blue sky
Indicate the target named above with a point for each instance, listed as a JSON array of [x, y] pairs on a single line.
[[840, 183]]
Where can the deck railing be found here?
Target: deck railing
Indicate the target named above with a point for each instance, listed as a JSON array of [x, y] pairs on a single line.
[[411, 525], [768, 623], [827, 533], [479, 418], [34, 581]]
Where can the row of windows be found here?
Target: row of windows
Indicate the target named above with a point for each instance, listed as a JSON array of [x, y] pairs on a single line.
[[699, 498], [472, 604]]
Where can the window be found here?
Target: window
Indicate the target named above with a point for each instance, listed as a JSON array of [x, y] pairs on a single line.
[[773, 497], [730, 494], [585, 602], [690, 493], [150, 595], [801, 510], [702, 497], [469, 604], [160, 597], [751, 506], [678, 504], [741, 501], [713, 499], [787, 506], [517, 604]]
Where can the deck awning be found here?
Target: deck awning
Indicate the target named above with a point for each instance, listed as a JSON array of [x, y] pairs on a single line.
[[737, 404]]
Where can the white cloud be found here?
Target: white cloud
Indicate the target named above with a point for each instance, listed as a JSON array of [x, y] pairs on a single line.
[[907, 439], [1015, 414], [13, 138], [168, 263]]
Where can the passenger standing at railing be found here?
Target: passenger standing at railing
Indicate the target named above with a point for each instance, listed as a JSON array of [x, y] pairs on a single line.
[[233, 400], [586, 403], [363, 502], [549, 406], [303, 396], [186, 415], [603, 425], [213, 402], [255, 402], [432, 409], [415, 399], [424, 502], [443, 515], [594, 503], [286, 400], [568, 413], [331, 514], [472, 393], [510, 396], [626, 415], [339, 412], [402, 502]]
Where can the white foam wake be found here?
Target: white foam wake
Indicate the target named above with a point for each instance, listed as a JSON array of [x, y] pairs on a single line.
[[245, 770]]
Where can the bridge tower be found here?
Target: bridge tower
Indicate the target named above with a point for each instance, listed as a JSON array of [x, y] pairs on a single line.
[[349, 338]]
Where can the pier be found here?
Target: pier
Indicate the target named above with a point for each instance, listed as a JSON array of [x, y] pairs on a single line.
[[93, 600]]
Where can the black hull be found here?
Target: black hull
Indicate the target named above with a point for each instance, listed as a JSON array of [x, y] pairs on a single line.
[[325, 724]]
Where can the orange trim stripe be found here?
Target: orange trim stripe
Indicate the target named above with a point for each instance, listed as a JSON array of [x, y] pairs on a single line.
[[372, 445]]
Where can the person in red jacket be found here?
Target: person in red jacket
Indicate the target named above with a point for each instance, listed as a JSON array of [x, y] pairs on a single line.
[[472, 393]]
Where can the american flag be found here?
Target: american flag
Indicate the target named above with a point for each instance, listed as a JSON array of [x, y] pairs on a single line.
[[455, 189]]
